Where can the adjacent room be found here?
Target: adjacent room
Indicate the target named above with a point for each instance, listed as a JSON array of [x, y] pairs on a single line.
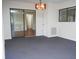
[[39, 29]]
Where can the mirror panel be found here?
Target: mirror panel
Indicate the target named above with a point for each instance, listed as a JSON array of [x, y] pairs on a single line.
[[23, 22]]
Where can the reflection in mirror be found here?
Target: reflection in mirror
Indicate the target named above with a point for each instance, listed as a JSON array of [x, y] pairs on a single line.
[[23, 22], [17, 23]]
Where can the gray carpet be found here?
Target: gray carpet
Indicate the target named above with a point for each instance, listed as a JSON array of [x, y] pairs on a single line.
[[40, 48]]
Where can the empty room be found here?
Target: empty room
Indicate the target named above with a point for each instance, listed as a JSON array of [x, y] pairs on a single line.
[[39, 29]]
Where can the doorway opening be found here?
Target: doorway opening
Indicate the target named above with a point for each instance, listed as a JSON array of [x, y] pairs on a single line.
[[23, 22]]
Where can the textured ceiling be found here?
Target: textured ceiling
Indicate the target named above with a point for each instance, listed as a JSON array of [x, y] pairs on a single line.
[[53, 1]]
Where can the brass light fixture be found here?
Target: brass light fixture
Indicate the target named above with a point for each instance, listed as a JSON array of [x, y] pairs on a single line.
[[40, 5]]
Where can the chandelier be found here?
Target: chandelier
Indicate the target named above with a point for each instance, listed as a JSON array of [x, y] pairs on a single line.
[[40, 5]]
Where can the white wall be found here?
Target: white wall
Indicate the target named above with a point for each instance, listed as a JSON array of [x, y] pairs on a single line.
[[63, 29], [6, 21], [52, 17], [67, 29], [20, 5], [45, 20]]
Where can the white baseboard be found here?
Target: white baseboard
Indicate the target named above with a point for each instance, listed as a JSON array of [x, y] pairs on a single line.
[[73, 39], [68, 38], [7, 39], [51, 36]]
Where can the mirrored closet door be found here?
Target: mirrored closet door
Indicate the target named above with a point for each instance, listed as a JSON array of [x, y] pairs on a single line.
[[30, 22], [23, 22]]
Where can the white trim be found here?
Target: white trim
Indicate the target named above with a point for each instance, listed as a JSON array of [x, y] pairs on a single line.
[[68, 38]]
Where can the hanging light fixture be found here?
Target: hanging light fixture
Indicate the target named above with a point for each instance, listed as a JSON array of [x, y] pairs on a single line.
[[40, 5]]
